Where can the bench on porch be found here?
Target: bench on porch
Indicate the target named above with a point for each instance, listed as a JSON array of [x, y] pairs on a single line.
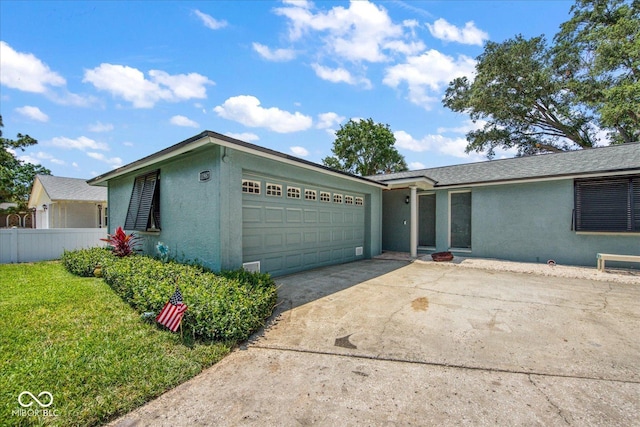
[[613, 257]]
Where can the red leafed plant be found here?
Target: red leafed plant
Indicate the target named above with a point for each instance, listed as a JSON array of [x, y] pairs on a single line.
[[123, 244]]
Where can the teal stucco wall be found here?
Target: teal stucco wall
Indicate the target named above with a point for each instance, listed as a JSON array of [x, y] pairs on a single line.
[[528, 222], [202, 221], [190, 209]]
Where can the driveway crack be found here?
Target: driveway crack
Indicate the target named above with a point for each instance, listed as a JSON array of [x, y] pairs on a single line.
[[559, 411]]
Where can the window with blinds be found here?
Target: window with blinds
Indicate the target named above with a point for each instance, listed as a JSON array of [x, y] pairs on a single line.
[[144, 206], [611, 204]]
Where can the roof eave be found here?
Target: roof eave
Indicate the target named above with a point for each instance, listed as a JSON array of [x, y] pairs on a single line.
[[422, 183], [209, 137], [607, 173]]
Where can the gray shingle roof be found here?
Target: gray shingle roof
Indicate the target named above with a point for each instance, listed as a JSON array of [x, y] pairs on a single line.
[[596, 160], [61, 188]]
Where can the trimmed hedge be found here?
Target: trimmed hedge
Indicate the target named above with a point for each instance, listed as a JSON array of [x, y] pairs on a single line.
[[84, 261], [226, 306]]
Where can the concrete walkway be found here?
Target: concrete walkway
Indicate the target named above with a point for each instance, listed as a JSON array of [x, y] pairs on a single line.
[[394, 343]]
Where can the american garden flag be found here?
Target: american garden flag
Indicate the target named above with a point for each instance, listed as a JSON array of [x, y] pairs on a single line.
[[171, 315]]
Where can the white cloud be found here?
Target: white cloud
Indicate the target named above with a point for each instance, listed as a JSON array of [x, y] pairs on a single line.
[[426, 75], [33, 113], [328, 120], [470, 34], [416, 165], [278, 55], [361, 32], [340, 75], [81, 143], [127, 144], [247, 110], [183, 121], [299, 151], [454, 147], [209, 21], [442, 144], [114, 162], [132, 85], [100, 127], [25, 158], [46, 156], [467, 126], [244, 136], [23, 71]]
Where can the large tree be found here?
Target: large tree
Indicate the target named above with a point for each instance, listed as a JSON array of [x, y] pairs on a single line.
[[16, 176], [363, 147], [522, 102], [598, 51], [540, 98]]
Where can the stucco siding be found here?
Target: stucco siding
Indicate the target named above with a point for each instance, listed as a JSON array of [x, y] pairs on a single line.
[[202, 221], [529, 222], [532, 222], [189, 209]]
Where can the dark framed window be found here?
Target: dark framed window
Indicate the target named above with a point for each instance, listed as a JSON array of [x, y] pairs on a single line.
[[427, 220], [144, 206], [460, 227], [607, 204]]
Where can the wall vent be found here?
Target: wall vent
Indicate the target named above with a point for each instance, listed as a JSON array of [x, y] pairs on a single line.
[[359, 251], [253, 267]]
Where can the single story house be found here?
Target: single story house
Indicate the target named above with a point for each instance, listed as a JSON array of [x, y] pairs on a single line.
[[226, 203], [565, 207], [61, 202]]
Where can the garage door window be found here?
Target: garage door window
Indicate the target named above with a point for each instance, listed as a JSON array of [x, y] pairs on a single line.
[[293, 192], [274, 190], [251, 187], [348, 200], [310, 195], [325, 197], [337, 198], [359, 201]]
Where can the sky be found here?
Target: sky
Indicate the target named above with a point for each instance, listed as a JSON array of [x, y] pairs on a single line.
[[101, 84]]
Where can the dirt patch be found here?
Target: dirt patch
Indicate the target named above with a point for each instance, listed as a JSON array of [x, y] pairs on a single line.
[[420, 304]]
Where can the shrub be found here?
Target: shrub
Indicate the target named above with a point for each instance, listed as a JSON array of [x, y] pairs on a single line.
[[83, 262], [229, 306], [123, 244]]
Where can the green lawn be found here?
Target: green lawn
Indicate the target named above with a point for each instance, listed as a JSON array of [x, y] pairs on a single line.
[[74, 338]]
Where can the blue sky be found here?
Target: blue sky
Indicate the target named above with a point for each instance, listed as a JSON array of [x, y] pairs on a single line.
[[101, 84]]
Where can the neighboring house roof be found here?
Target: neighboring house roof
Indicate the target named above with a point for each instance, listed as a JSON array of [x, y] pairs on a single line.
[[60, 188], [602, 160], [209, 137]]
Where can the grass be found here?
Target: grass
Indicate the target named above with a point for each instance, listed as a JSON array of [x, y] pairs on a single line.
[[76, 339]]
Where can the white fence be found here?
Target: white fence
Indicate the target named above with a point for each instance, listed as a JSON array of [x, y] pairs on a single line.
[[29, 245]]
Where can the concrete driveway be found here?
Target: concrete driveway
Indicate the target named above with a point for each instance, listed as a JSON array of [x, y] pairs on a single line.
[[392, 343]]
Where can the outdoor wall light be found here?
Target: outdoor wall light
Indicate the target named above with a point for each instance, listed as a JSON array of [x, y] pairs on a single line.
[[44, 207], [407, 200]]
